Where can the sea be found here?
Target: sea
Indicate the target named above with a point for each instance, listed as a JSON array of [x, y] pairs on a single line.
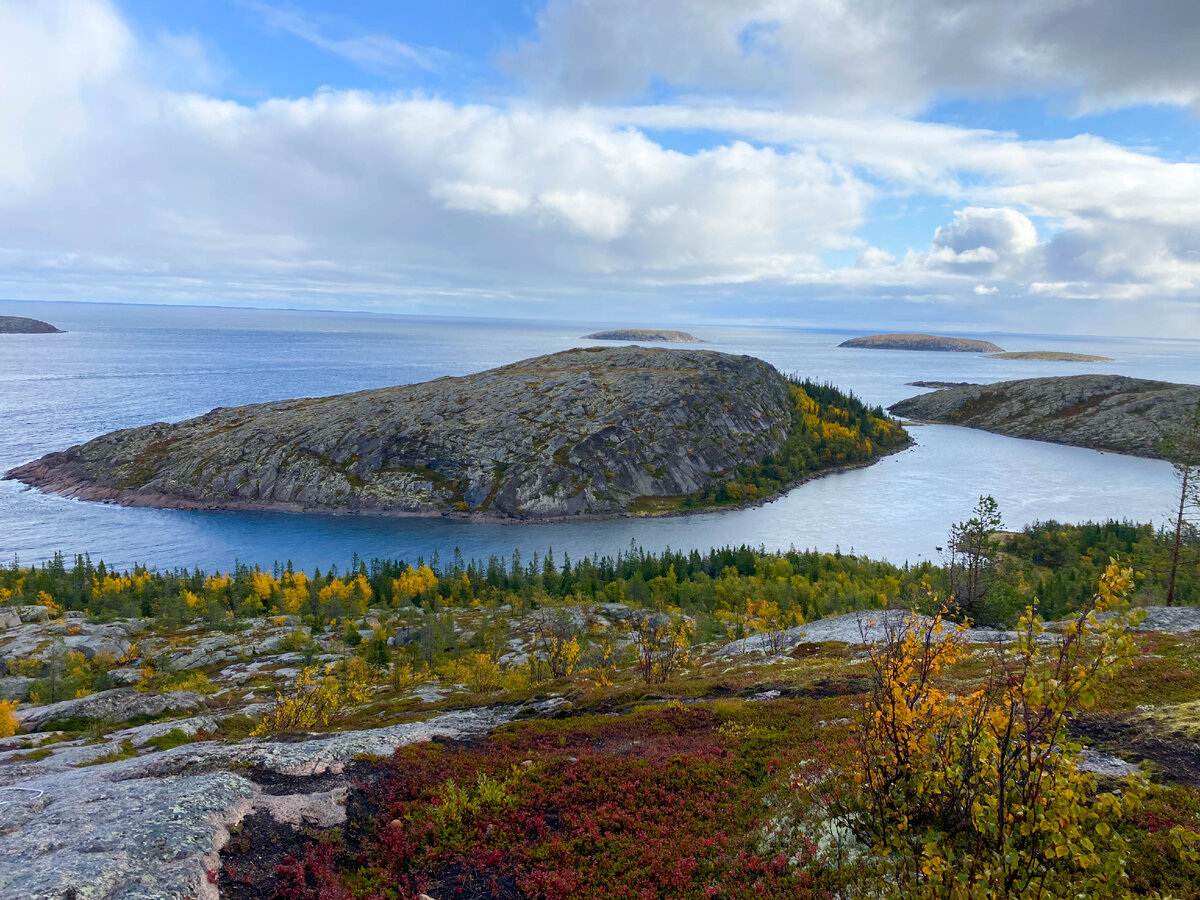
[[125, 365]]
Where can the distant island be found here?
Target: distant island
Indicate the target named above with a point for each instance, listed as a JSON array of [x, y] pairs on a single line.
[[644, 334], [1050, 356], [601, 430], [922, 342], [938, 384], [22, 325], [1102, 412]]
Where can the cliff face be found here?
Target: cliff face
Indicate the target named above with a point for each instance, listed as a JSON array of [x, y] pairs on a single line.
[[1104, 412], [22, 325], [584, 431], [921, 342]]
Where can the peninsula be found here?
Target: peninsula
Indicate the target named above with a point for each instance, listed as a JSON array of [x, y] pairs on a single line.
[[1050, 356], [586, 431], [921, 342], [1102, 412], [644, 334], [22, 325]]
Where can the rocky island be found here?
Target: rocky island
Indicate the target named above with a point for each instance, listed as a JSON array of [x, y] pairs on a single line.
[[921, 342], [585, 431], [1051, 356], [1102, 412], [644, 334], [23, 325]]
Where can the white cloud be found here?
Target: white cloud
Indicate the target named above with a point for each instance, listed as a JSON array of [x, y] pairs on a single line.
[[120, 188], [984, 241], [869, 54]]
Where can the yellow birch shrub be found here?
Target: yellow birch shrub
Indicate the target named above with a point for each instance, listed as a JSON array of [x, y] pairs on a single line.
[[311, 700], [979, 794], [478, 672], [8, 718]]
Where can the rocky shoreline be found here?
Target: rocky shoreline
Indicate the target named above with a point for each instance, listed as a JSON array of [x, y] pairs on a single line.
[[88, 493], [586, 432], [1101, 412]]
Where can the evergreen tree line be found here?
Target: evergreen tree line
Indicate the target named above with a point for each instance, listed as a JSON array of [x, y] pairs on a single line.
[[1055, 563]]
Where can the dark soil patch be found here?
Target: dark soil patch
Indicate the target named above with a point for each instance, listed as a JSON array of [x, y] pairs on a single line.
[[466, 883], [249, 859], [280, 784], [1177, 757]]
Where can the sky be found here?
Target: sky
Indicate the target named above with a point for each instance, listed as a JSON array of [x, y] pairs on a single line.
[[971, 165]]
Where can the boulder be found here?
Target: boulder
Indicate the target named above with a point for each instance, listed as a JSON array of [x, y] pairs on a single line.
[[117, 705], [15, 687]]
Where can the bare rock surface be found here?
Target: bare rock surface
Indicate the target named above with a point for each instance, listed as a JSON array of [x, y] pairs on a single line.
[[921, 342], [150, 828], [1103, 412], [872, 627], [579, 432]]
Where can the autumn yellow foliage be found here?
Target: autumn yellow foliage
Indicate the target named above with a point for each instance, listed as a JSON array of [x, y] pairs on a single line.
[[968, 794], [8, 718], [412, 583], [317, 696]]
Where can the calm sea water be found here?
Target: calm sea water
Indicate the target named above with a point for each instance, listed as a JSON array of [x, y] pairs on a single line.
[[120, 366]]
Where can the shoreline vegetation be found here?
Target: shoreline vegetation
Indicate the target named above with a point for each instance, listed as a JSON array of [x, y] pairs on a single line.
[[831, 431], [1052, 561]]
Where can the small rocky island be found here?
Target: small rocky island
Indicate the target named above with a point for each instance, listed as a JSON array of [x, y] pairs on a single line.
[[1102, 412], [921, 342], [1050, 356], [644, 334], [22, 325], [585, 431]]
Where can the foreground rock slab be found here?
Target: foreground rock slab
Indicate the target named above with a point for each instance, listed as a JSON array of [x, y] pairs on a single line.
[[151, 828]]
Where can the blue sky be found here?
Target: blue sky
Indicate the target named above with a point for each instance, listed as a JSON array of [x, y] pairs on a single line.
[[1015, 166]]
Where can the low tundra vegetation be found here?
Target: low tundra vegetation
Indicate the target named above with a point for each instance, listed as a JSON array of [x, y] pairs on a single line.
[[930, 769]]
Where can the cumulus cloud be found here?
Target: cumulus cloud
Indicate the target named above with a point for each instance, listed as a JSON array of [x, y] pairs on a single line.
[[984, 240], [119, 187], [879, 54]]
